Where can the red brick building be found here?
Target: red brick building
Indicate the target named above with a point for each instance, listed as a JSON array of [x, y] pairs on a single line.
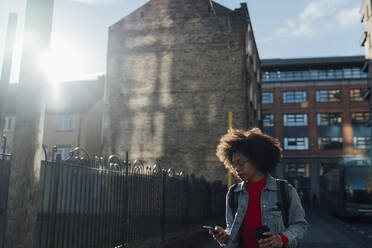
[[314, 106]]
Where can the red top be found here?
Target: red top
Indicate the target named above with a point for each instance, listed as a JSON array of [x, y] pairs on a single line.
[[252, 218]]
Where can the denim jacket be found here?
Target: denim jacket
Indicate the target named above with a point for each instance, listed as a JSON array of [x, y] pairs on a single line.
[[271, 214]]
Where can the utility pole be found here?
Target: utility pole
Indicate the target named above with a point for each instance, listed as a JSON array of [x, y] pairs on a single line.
[[29, 127], [7, 65]]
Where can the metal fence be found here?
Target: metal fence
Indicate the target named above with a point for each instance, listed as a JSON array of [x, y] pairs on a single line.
[[111, 202]]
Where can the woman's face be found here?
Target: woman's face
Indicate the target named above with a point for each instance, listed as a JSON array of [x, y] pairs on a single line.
[[243, 167]]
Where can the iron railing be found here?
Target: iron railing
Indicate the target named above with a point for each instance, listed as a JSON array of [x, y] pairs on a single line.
[[98, 202]]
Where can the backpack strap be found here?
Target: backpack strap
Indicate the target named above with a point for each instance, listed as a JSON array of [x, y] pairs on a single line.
[[283, 197], [233, 200]]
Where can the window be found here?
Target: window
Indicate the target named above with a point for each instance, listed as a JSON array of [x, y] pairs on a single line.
[[360, 117], [306, 75], [297, 170], [268, 120], [347, 73], [355, 72], [338, 73], [314, 74], [322, 74], [329, 131], [331, 74], [295, 120], [65, 122], [328, 95], [64, 151], [298, 75], [268, 124], [267, 97], [361, 133], [297, 143], [329, 143], [356, 95], [8, 123], [361, 143], [294, 96], [328, 119]]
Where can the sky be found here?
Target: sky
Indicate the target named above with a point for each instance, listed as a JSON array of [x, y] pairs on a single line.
[[282, 28]]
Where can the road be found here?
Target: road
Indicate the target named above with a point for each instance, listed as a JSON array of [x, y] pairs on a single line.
[[330, 232]]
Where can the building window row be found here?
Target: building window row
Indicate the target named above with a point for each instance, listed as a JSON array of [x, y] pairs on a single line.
[[326, 95], [355, 72], [323, 119], [64, 123], [329, 130]]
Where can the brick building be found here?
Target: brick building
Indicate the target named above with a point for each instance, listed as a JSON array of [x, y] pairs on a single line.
[[314, 106], [175, 69]]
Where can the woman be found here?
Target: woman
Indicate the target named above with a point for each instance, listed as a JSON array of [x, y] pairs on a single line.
[[251, 155]]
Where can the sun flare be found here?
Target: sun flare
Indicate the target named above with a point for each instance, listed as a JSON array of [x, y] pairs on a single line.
[[62, 63]]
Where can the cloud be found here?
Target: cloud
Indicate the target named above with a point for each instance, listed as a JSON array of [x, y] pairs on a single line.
[[319, 16], [97, 2], [348, 17], [321, 8], [291, 29]]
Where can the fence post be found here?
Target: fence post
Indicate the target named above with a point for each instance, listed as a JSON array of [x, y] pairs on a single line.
[[55, 199], [125, 232], [164, 174], [187, 205]]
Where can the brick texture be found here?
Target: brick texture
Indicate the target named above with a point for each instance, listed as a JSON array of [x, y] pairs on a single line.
[[174, 71]]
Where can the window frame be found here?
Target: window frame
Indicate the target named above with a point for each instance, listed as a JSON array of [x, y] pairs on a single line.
[[329, 92], [296, 122], [294, 96], [303, 146], [65, 122], [265, 95]]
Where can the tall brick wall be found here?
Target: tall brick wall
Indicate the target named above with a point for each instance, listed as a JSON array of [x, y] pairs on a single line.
[[174, 71]]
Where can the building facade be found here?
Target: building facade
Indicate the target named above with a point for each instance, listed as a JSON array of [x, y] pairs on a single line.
[[73, 117], [365, 16], [315, 107], [175, 69]]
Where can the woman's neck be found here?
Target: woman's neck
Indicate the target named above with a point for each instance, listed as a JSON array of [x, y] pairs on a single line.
[[256, 177]]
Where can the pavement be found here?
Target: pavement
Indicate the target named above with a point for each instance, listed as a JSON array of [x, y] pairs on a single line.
[[328, 232]]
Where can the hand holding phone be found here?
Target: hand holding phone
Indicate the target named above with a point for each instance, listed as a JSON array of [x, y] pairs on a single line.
[[214, 231], [218, 233], [260, 230]]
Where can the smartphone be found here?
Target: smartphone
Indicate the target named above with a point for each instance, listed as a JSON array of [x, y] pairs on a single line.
[[260, 230], [210, 228]]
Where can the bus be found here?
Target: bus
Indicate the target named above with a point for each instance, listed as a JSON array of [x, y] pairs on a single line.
[[349, 188]]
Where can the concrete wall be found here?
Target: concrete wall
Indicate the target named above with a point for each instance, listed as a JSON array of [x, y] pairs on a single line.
[[174, 72]]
